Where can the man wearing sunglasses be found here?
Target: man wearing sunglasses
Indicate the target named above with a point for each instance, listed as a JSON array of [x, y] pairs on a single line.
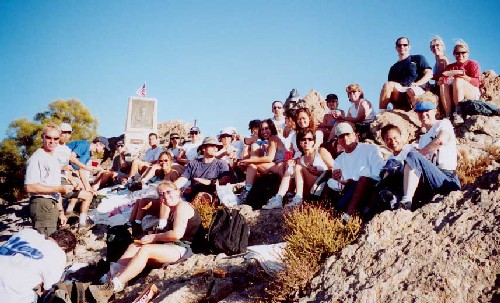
[[190, 148], [43, 183], [279, 117], [406, 78]]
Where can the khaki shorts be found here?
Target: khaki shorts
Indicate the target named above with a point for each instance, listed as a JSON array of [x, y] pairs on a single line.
[[44, 214]]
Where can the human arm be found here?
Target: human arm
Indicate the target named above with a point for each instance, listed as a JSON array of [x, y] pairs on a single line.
[[182, 215], [472, 73], [327, 157], [73, 158], [181, 182], [264, 159], [441, 139], [426, 77]]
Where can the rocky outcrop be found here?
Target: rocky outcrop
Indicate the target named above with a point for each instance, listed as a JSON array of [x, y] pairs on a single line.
[[490, 87], [316, 104], [446, 251]]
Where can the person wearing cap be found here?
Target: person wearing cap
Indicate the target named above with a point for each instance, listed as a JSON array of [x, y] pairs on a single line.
[[355, 171], [43, 183], [430, 169], [278, 117], [149, 158], [63, 154], [329, 120], [190, 149], [203, 173], [292, 100], [174, 146], [407, 76]]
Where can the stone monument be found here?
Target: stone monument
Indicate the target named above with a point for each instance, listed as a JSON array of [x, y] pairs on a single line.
[[141, 121]]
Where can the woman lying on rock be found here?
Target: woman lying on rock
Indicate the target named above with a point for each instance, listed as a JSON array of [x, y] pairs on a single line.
[[171, 246]]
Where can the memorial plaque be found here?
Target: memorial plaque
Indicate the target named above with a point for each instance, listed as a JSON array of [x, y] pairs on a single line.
[[141, 121]]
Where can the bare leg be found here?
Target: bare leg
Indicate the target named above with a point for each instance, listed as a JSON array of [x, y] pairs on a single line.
[[86, 197], [285, 183], [462, 90], [251, 173], [388, 93], [304, 180], [446, 99]]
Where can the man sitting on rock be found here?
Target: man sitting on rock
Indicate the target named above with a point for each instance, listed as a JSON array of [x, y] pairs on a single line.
[[190, 149], [149, 158], [204, 173], [430, 169], [355, 171], [409, 75]]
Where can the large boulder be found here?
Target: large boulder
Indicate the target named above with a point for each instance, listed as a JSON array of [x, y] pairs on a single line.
[[490, 87]]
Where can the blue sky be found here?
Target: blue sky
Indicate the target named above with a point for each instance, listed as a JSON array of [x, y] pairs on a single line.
[[220, 62]]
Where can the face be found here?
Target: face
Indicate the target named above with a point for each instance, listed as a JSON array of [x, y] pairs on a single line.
[[226, 140], [153, 140], [348, 141], [426, 117], [353, 95], [50, 139], [437, 47], [65, 136], [332, 105], [163, 161], [278, 108], [168, 195], [99, 147], [394, 141], [194, 136], [302, 120], [403, 46], [461, 54], [307, 142], [265, 131], [175, 140], [210, 150]]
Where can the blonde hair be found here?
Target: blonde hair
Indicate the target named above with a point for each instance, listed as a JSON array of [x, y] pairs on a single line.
[[459, 43], [51, 126], [168, 184], [438, 38]]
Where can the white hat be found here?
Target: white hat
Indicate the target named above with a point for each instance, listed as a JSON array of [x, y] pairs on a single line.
[[343, 128], [65, 127]]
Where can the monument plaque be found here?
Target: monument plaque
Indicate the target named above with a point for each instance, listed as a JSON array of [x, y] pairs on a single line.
[[141, 121]]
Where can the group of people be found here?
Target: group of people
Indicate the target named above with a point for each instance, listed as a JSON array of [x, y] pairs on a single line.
[[309, 156]]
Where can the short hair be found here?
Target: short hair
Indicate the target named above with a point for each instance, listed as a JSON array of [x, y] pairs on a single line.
[[301, 134], [254, 124], [271, 126], [277, 101], [438, 39], [168, 184], [356, 87], [65, 239], [459, 43], [308, 113], [51, 126], [397, 40], [387, 128], [169, 156], [153, 134]]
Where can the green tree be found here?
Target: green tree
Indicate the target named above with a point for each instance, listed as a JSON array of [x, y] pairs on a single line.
[[24, 138]]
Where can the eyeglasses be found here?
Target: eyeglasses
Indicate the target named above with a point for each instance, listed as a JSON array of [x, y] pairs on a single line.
[[459, 53], [193, 133], [67, 132], [51, 138], [174, 138], [277, 107], [435, 45], [163, 161], [352, 92], [402, 44], [308, 139]]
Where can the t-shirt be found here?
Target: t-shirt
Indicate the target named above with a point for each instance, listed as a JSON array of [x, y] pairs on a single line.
[[82, 150], [152, 154], [364, 161], [191, 150], [353, 111], [62, 152], [231, 149], [26, 260], [174, 152], [471, 68], [198, 169], [403, 153], [43, 168], [117, 166], [408, 70], [280, 124], [446, 156], [239, 145]]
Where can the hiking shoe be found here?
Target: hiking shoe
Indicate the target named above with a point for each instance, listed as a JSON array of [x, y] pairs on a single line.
[[102, 293], [456, 119], [296, 201], [406, 204], [243, 195], [389, 199], [274, 202]]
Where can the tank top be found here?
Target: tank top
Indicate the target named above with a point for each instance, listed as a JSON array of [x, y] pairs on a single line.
[[369, 115], [318, 161], [192, 225]]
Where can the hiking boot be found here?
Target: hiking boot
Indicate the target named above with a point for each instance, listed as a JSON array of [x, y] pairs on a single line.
[[296, 201], [406, 204], [102, 293], [274, 202], [243, 195], [389, 199]]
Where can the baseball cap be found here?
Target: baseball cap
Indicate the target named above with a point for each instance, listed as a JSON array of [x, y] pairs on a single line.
[[65, 127], [194, 129], [423, 106], [332, 98], [103, 141], [343, 128]]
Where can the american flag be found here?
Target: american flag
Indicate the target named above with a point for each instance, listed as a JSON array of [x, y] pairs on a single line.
[[141, 91]]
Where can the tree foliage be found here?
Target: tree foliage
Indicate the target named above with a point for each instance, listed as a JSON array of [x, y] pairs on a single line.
[[24, 138]]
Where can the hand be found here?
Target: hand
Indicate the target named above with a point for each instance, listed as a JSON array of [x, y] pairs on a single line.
[[62, 218], [65, 189], [465, 77], [440, 81], [148, 239], [337, 174]]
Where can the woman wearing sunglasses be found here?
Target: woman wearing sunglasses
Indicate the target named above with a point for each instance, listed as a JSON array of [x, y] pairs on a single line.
[[460, 80]]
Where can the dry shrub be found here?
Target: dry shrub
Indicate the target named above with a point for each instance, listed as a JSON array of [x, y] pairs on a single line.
[[205, 207], [469, 169], [313, 234]]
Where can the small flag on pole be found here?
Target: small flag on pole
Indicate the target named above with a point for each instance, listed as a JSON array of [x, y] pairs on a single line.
[[141, 91]]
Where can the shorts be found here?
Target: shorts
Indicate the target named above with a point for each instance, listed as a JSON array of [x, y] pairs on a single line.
[[44, 215], [184, 251], [477, 93]]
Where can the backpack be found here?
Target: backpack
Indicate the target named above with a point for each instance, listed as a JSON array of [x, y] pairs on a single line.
[[262, 190], [228, 232], [477, 107], [117, 240]]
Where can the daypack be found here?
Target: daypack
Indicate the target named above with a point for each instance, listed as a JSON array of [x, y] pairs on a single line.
[[117, 241], [262, 190], [68, 292], [477, 107], [228, 232]]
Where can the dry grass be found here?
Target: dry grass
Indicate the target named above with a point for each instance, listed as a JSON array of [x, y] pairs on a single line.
[[313, 234], [469, 169]]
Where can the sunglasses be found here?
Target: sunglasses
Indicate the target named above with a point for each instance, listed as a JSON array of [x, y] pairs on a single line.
[[308, 139], [193, 133], [402, 44], [51, 138], [435, 45], [162, 161], [67, 132], [352, 91], [174, 138], [277, 107], [460, 53]]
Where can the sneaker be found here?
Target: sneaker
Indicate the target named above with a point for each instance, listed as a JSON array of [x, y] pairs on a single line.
[[389, 199], [296, 201], [274, 202], [243, 195], [406, 204], [456, 119], [102, 293]]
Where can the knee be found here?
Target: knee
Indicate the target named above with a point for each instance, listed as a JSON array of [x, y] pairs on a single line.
[[86, 195], [459, 82]]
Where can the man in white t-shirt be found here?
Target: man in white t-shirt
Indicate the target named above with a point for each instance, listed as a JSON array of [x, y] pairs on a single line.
[[191, 148], [430, 169], [355, 171], [28, 259], [279, 117], [149, 158]]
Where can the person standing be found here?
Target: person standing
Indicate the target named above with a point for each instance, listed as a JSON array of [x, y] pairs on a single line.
[[278, 118]]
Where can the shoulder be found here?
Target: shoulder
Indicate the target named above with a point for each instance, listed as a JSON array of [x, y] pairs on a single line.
[[185, 209]]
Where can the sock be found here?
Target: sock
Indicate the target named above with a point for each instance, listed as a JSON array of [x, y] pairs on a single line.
[[138, 221], [83, 219], [162, 223], [248, 187], [405, 199], [117, 284]]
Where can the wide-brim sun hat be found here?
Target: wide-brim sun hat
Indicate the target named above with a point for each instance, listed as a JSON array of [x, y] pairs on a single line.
[[209, 141]]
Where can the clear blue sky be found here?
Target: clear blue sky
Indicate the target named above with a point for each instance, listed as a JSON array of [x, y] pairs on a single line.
[[221, 62]]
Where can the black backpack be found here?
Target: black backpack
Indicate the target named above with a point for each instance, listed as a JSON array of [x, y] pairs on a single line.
[[117, 241], [228, 232], [264, 188]]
